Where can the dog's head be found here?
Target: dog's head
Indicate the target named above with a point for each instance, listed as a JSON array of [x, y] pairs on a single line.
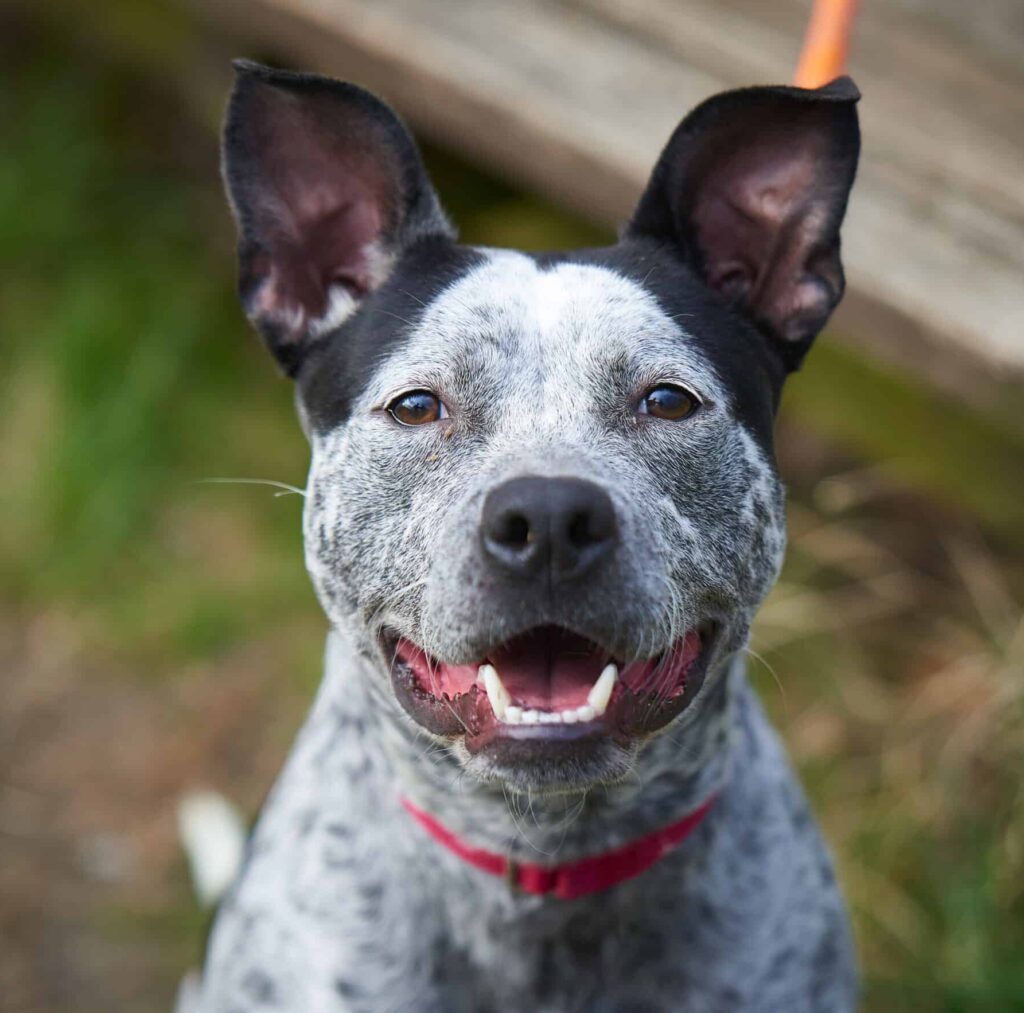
[[543, 493]]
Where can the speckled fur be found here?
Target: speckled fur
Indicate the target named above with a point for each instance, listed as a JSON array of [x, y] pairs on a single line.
[[344, 903]]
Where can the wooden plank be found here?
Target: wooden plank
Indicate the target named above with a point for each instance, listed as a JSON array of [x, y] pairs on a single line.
[[574, 99]]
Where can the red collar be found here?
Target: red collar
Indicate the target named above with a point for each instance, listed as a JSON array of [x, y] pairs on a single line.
[[573, 879]]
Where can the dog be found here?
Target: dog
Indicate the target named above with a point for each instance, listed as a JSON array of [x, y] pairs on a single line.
[[541, 513]]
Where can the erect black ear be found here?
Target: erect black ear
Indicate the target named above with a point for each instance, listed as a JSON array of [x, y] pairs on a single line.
[[752, 186], [328, 190]]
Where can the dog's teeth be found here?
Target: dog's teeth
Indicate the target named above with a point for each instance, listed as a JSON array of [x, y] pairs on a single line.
[[496, 691], [601, 692], [513, 715]]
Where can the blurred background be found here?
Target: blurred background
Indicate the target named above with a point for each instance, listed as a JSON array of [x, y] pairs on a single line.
[[157, 631]]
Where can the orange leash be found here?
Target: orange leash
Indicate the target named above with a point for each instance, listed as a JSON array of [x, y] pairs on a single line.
[[826, 43]]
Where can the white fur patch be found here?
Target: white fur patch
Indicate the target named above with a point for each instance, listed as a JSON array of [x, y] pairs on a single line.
[[341, 304]]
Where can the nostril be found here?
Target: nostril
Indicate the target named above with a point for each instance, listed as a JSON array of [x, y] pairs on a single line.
[[580, 533], [514, 532]]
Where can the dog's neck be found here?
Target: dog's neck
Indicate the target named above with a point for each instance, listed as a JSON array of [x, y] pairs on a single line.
[[675, 773]]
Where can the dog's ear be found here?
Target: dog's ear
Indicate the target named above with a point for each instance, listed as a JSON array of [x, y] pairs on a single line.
[[328, 190], [752, 186]]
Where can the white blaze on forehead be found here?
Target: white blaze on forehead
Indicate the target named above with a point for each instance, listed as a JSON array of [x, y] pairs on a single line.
[[555, 324]]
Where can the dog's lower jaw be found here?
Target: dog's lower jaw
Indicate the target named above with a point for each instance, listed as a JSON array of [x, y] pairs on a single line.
[[346, 904]]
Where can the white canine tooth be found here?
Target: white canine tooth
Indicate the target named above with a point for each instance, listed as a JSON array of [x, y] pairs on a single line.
[[513, 715], [496, 691], [601, 692], [531, 717], [586, 713]]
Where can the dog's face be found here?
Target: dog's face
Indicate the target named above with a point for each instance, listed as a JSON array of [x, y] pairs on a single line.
[[542, 492]]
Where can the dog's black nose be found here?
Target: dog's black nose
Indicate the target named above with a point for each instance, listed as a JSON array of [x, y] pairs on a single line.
[[561, 525]]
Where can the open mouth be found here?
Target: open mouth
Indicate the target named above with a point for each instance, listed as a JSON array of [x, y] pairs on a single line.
[[549, 685]]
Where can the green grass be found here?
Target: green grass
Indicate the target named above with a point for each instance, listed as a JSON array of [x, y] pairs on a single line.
[[127, 376]]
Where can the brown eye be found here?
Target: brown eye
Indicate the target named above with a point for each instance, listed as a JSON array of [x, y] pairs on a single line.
[[417, 408], [668, 401]]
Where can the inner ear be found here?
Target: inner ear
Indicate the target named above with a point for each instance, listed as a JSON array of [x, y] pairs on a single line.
[[328, 189], [752, 188]]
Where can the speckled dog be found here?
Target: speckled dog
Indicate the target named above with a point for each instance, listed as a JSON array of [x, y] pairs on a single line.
[[541, 513]]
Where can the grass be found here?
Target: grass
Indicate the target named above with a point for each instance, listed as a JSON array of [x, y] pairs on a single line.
[[890, 654]]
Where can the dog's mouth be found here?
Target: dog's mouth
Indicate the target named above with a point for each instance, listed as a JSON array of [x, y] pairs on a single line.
[[548, 686]]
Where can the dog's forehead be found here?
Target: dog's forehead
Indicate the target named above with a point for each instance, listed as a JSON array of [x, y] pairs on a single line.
[[559, 325]]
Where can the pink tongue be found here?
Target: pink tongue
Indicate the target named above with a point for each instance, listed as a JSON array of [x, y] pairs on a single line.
[[548, 669]]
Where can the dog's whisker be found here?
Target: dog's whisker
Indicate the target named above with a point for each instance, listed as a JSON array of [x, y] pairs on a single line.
[[529, 807], [519, 823], [770, 668], [510, 805], [413, 296], [396, 316], [286, 489], [399, 594], [373, 618]]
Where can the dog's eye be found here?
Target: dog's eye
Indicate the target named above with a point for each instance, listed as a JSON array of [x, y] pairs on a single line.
[[417, 408], [669, 401]]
